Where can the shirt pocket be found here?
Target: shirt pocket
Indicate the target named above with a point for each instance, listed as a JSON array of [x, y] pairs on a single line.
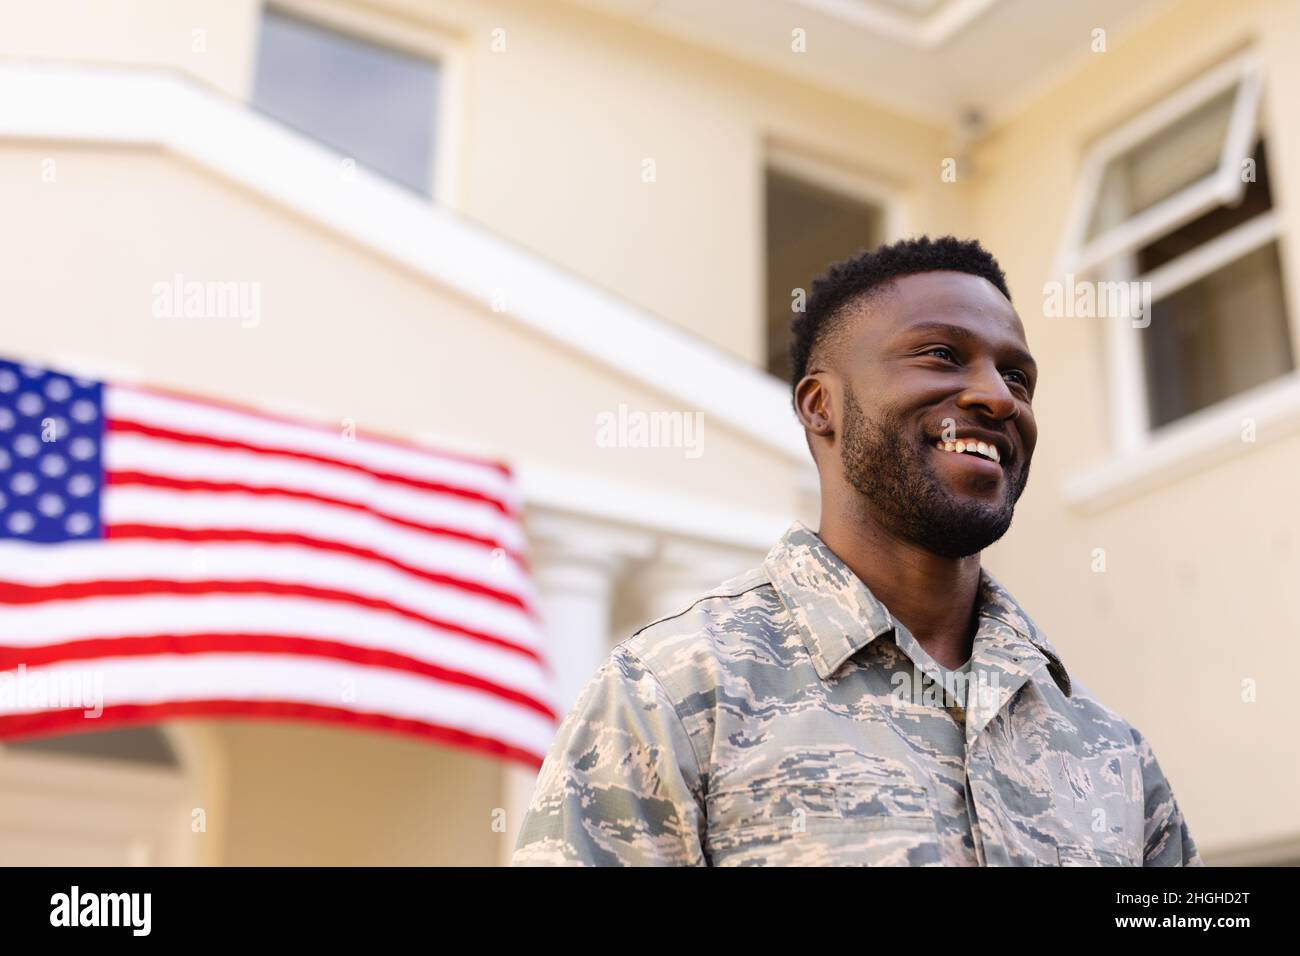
[[863, 823], [1099, 806], [1075, 854]]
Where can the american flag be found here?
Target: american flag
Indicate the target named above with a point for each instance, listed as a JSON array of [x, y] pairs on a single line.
[[178, 557]]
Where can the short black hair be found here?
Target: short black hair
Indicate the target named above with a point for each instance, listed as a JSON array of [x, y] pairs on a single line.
[[864, 274]]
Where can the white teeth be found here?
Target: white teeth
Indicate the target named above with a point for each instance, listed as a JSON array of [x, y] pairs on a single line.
[[964, 445]]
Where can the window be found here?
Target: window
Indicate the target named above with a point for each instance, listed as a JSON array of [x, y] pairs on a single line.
[[809, 225], [371, 103], [1180, 199], [1176, 161], [1225, 330]]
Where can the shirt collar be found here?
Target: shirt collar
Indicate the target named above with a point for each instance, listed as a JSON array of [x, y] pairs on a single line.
[[837, 615]]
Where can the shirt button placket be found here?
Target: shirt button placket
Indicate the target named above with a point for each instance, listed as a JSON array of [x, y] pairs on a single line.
[[979, 774], [976, 839]]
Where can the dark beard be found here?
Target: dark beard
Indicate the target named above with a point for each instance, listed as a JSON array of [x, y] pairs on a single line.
[[887, 466]]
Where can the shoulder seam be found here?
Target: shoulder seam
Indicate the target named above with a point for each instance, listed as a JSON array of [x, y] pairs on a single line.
[[703, 597]]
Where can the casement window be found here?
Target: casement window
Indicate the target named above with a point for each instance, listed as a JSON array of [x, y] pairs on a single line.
[[374, 104], [1180, 198], [814, 215]]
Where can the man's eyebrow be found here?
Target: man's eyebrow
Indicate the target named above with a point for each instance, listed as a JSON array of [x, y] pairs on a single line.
[[965, 335]]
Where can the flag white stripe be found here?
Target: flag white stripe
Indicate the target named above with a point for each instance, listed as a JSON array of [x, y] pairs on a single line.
[[58, 622], [282, 564], [168, 678], [235, 511], [125, 451], [200, 418]]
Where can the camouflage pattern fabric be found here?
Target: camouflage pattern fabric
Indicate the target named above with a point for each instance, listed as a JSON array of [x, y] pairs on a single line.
[[785, 718]]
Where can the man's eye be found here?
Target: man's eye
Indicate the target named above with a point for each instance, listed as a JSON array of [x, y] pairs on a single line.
[[1019, 377], [942, 349]]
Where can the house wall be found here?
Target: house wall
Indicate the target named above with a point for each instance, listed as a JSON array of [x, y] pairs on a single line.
[[307, 795], [557, 126], [1198, 592], [210, 40]]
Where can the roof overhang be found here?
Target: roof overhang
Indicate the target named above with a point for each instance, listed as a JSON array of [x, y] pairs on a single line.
[[937, 61]]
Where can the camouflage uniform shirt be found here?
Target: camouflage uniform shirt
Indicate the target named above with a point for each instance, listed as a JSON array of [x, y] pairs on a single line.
[[786, 718]]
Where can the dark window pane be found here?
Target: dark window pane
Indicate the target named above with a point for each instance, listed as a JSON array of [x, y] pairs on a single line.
[[1217, 337], [808, 228], [369, 102]]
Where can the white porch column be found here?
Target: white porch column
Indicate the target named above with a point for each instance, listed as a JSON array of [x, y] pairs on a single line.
[[575, 585], [575, 567]]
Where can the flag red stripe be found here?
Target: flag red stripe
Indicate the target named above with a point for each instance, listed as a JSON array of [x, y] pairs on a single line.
[[12, 593], [213, 643], [152, 431], [377, 438], [125, 478], [215, 535], [50, 722]]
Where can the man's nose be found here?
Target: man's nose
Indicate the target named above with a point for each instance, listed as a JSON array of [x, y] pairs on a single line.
[[986, 391]]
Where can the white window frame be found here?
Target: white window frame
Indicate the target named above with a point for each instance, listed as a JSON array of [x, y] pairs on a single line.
[[1142, 456], [1221, 187], [406, 37]]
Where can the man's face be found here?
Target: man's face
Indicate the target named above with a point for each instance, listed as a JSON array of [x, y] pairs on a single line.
[[939, 357]]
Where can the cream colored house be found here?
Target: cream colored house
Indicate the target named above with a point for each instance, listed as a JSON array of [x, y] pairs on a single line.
[[524, 226]]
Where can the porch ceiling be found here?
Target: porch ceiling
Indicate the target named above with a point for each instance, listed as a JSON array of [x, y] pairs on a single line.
[[934, 60]]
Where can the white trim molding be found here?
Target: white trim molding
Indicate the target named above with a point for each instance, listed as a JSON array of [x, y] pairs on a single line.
[[559, 492], [926, 32], [157, 109], [1192, 444]]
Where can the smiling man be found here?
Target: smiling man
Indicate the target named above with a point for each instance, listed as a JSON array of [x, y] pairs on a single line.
[[869, 694]]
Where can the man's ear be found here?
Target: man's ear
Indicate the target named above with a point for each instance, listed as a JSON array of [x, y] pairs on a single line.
[[812, 403]]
